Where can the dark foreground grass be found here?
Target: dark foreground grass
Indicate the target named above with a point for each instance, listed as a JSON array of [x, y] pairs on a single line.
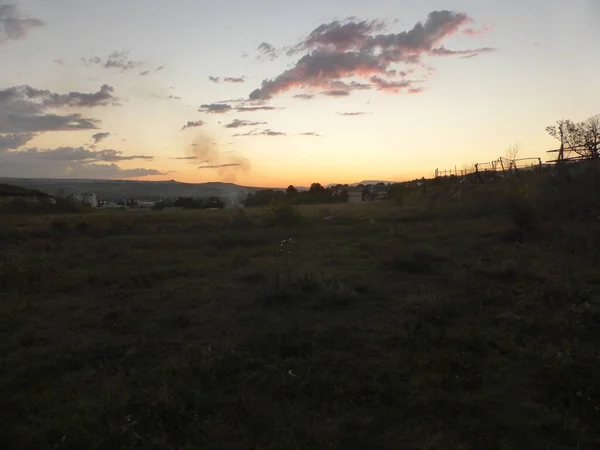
[[381, 328]]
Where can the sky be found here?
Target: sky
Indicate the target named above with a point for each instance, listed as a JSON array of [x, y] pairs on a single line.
[[276, 92]]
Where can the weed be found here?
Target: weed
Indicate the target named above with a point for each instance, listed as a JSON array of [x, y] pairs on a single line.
[[336, 292], [254, 276], [307, 283], [276, 289]]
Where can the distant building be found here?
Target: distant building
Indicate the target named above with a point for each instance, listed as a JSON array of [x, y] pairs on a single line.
[[87, 198], [355, 195]]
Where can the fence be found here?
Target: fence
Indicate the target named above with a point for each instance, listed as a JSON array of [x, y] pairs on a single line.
[[502, 167]]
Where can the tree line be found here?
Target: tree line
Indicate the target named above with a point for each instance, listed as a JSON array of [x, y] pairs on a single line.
[[583, 138]]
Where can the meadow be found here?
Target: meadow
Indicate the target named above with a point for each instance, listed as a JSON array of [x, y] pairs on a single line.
[[440, 322]]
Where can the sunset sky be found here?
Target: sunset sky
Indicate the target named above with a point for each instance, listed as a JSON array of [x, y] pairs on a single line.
[[275, 92]]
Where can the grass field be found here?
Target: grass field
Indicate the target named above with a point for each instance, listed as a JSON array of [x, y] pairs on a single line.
[[432, 325]]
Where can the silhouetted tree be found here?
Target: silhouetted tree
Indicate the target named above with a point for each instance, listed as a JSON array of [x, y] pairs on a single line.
[[316, 188], [291, 191]]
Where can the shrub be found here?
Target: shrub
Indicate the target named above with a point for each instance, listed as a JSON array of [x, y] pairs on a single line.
[[284, 214], [522, 211]]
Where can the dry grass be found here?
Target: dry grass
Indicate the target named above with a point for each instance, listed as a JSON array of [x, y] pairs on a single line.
[[424, 326]]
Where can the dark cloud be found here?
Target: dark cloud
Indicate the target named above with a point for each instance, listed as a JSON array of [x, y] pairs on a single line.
[[144, 73], [233, 80], [266, 132], [336, 93], [24, 109], [243, 123], [304, 96], [31, 123], [30, 164], [340, 36], [159, 68], [82, 154], [110, 171], [98, 137], [214, 79], [348, 49], [173, 97], [186, 158], [215, 108], [352, 114], [49, 99], [190, 124], [317, 68], [13, 25], [14, 141], [255, 108], [218, 166]]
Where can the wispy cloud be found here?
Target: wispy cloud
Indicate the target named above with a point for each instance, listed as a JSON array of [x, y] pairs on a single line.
[[336, 93], [218, 166], [190, 124], [304, 96], [267, 50], [476, 32], [310, 133], [82, 154], [358, 113], [237, 123], [390, 86], [144, 73], [227, 79], [60, 62], [109, 171], [255, 108], [13, 25], [98, 137], [215, 108], [257, 132], [159, 68], [65, 164], [341, 50], [115, 60]]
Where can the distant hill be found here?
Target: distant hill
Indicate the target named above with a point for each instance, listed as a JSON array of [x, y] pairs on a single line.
[[7, 190], [365, 182], [111, 190]]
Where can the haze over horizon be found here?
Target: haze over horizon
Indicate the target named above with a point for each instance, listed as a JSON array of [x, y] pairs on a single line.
[[284, 92]]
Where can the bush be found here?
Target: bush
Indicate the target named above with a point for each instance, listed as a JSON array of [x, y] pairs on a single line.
[[284, 214], [522, 210]]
